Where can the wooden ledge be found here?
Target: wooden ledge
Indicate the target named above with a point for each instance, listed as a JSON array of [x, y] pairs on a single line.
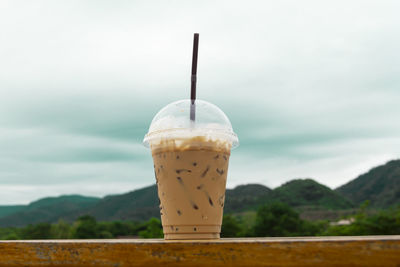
[[300, 251]]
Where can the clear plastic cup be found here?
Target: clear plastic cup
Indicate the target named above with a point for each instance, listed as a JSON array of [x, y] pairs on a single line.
[[191, 164]]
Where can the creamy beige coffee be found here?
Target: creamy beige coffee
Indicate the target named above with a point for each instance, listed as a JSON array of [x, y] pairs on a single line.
[[191, 177]]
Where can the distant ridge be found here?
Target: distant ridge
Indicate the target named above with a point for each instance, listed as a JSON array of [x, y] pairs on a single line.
[[307, 192], [245, 197], [70, 199], [138, 205], [380, 185], [142, 204], [7, 210], [49, 209]]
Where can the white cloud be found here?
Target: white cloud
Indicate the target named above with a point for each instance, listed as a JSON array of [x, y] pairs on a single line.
[[310, 86]]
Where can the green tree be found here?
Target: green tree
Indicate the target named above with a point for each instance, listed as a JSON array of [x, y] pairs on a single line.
[[119, 228], [230, 227], [86, 227], [11, 236], [385, 222], [153, 229], [105, 234], [61, 230], [37, 231], [9, 233], [277, 219]]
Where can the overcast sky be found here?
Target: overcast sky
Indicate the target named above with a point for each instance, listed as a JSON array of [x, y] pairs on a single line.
[[311, 88]]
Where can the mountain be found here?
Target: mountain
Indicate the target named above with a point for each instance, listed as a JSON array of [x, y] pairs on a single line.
[[309, 193], [7, 210], [244, 197], [142, 204], [137, 205], [49, 209], [69, 200], [380, 185]]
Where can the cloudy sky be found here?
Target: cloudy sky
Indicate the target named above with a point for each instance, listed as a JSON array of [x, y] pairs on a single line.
[[311, 88]]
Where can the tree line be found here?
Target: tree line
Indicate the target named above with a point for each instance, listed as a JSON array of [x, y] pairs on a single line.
[[274, 219], [278, 219], [84, 227]]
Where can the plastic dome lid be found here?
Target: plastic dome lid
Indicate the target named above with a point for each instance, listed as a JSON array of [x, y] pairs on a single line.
[[173, 121]]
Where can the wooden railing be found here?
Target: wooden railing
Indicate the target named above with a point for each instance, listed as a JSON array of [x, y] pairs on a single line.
[[303, 251]]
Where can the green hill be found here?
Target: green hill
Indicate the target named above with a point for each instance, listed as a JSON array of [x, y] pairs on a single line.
[[380, 185], [7, 210], [309, 193], [62, 200], [245, 197], [137, 205], [142, 204], [49, 209], [299, 193]]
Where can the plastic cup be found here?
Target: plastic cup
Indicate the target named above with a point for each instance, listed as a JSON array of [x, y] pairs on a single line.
[[191, 165]]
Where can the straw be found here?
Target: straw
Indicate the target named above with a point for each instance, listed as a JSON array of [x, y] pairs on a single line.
[[194, 77]]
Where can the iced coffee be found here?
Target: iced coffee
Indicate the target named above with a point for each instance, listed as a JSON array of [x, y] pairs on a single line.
[[191, 166], [191, 179]]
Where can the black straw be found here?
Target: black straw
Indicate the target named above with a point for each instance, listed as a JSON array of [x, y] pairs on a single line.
[[194, 77]]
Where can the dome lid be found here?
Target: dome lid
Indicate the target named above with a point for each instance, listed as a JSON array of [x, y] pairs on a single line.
[[173, 121]]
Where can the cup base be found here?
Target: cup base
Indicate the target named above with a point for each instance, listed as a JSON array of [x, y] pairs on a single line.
[[184, 232], [184, 236]]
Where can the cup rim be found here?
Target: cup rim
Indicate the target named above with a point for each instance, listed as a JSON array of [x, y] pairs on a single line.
[[185, 133]]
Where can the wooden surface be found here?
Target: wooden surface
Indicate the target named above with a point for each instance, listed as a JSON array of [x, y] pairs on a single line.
[[314, 251]]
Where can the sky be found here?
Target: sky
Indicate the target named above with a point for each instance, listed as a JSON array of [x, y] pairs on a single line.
[[311, 88]]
